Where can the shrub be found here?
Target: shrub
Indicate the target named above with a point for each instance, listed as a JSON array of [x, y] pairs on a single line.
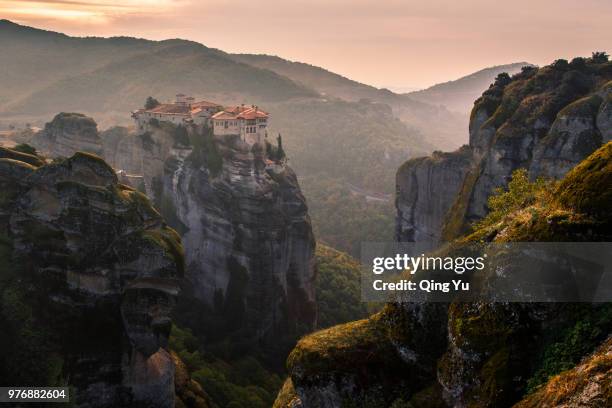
[[242, 382], [520, 193], [26, 148], [560, 64], [180, 136], [600, 57], [206, 152], [147, 141], [578, 63], [591, 327], [502, 79]]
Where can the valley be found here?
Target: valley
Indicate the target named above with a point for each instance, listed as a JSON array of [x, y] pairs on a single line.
[[182, 227]]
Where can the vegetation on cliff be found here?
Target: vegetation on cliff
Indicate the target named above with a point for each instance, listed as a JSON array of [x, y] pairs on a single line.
[[545, 120], [88, 272], [567, 210], [240, 382], [232, 372], [534, 93], [342, 217], [484, 362], [338, 290], [587, 385], [575, 208]]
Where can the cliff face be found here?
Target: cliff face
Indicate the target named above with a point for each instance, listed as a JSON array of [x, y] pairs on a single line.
[[66, 134], [420, 201], [248, 239], [546, 120], [125, 150], [475, 354], [89, 280], [247, 234]]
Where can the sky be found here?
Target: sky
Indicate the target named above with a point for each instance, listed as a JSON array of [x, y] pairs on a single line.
[[387, 43]]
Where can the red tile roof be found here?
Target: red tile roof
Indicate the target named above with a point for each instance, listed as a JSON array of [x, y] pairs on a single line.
[[253, 113], [241, 112], [206, 104], [224, 115]]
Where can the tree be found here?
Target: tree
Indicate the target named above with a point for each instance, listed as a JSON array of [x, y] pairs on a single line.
[[599, 57], [560, 63], [528, 69], [280, 153], [520, 193], [151, 103], [502, 79], [578, 62]]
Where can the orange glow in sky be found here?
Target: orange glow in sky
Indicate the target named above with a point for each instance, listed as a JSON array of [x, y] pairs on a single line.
[[397, 43]]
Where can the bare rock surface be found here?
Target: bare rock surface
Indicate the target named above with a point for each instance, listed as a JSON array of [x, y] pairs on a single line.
[[99, 269]]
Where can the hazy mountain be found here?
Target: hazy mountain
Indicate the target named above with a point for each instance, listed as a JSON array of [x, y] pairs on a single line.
[[327, 138], [325, 82], [112, 76], [440, 127], [331, 125], [459, 95]]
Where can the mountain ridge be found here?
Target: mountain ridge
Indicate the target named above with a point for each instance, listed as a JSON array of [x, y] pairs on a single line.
[[474, 82]]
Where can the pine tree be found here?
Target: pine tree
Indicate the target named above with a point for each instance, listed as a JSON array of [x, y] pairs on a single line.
[[280, 153], [151, 103]]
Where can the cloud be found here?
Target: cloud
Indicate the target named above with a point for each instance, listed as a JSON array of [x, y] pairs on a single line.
[[81, 11], [403, 42]]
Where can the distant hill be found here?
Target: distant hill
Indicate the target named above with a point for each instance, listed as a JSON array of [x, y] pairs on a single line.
[[459, 95], [328, 138], [337, 132], [44, 72], [325, 82], [441, 128]]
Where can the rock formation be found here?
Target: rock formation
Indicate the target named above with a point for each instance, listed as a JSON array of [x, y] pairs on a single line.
[[89, 279], [474, 354], [420, 201], [546, 120], [66, 134], [248, 238], [243, 218], [551, 121]]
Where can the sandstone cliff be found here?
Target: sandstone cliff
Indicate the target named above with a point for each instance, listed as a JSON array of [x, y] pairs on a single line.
[[546, 120], [89, 277]]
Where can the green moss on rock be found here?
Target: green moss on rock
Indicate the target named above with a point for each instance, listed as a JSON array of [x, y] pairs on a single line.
[[587, 385], [20, 156], [588, 187], [454, 222], [287, 398], [339, 348]]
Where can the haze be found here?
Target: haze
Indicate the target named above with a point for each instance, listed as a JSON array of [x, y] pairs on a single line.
[[393, 43]]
